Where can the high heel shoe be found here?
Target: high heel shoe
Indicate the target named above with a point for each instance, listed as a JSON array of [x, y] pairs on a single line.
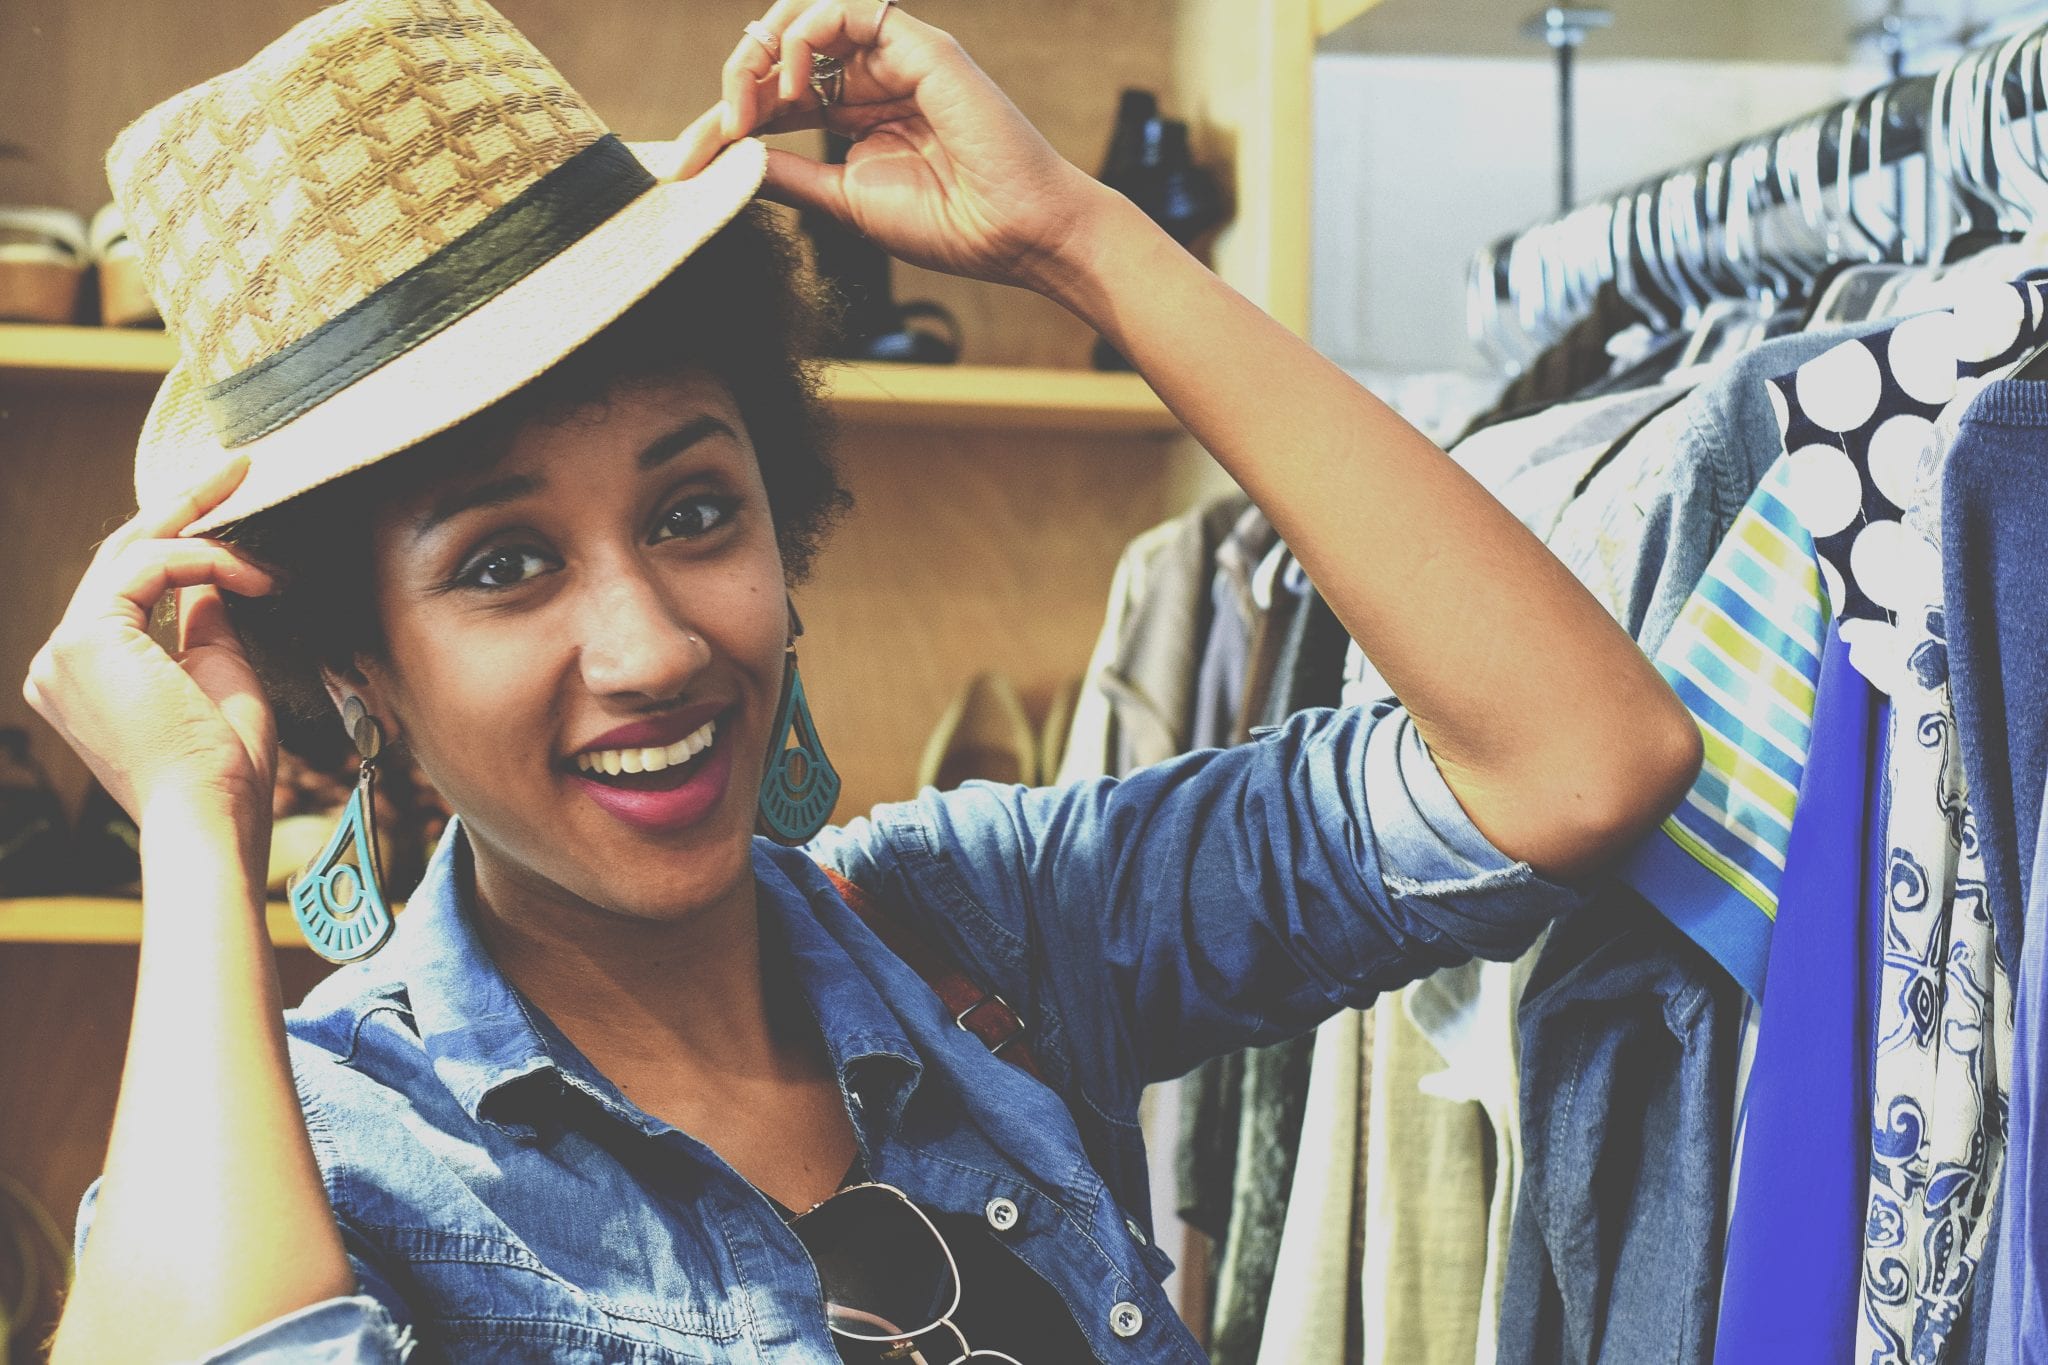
[[984, 734]]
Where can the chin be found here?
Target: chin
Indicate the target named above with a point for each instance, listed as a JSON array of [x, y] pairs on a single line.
[[615, 866], [661, 876]]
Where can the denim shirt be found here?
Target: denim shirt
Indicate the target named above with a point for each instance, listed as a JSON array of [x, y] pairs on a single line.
[[500, 1199]]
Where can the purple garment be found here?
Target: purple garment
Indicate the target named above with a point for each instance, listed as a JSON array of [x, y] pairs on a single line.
[[1795, 1244]]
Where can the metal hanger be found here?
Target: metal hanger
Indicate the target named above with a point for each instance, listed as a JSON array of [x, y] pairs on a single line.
[[2020, 178]]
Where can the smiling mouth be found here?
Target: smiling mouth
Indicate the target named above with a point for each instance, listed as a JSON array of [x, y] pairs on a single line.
[[659, 768]]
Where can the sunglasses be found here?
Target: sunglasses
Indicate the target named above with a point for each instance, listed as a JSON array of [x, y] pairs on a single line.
[[888, 1275]]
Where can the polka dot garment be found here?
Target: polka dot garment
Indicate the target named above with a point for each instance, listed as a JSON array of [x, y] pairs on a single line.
[[1858, 421]]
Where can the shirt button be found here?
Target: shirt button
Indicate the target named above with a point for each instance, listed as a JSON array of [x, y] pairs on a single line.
[[1125, 1319], [1137, 1233], [1002, 1214]]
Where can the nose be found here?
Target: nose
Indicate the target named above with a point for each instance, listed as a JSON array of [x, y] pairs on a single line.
[[635, 640]]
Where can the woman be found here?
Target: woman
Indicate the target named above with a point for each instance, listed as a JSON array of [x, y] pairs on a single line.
[[542, 1123]]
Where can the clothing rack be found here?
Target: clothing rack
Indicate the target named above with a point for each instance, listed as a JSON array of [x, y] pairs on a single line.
[[1677, 240]]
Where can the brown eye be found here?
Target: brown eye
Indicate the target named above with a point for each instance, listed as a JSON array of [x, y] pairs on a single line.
[[503, 568], [693, 517]]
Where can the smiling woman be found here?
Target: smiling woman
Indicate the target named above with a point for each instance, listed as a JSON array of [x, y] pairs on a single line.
[[739, 310], [524, 488]]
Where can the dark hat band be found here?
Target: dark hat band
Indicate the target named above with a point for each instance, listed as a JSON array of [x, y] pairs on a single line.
[[553, 213]]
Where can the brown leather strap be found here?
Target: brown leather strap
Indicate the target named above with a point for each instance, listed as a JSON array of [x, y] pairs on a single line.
[[982, 1013]]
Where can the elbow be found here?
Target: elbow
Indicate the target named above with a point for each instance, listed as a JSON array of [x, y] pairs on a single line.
[[1589, 791], [1665, 756], [1651, 764]]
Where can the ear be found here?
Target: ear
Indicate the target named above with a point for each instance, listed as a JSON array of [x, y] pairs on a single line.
[[357, 681]]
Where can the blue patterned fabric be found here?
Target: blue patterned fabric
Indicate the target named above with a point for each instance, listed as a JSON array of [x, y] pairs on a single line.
[[1744, 657], [1943, 1020]]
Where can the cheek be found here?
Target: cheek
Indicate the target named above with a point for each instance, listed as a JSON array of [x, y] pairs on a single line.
[[464, 680]]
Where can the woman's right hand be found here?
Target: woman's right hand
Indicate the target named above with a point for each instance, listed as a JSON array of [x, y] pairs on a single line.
[[152, 724]]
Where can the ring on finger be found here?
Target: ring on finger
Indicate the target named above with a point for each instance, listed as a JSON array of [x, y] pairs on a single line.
[[828, 79], [765, 36]]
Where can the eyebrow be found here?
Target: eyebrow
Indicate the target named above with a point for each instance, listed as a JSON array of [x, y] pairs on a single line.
[[498, 492]]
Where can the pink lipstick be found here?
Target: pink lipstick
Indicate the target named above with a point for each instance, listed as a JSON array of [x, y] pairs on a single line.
[[669, 800]]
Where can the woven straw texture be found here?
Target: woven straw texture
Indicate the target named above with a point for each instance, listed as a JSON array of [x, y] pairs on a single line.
[[466, 367], [269, 199]]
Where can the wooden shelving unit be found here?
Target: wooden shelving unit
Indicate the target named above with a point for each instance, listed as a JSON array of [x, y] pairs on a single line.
[[958, 397], [107, 921]]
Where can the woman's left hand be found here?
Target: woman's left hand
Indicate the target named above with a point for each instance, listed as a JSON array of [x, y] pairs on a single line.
[[944, 172]]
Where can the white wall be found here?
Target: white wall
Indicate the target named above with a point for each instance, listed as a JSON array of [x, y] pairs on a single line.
[[1420, 161]]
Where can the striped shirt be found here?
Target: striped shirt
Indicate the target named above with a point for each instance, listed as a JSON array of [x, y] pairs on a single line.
[[1744, 656]]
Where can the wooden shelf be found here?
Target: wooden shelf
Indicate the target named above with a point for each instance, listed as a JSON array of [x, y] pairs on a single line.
[[1011, 398], [108, 921], [39, 350], [956, 396]]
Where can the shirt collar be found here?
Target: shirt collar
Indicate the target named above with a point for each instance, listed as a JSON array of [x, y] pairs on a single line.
[[488, 1043], [829, 949]]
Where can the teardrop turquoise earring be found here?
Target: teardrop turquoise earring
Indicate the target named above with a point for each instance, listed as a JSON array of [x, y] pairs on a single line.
[[339, 899], [800, 786]]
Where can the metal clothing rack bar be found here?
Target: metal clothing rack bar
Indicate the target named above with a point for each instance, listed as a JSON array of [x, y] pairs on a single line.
[[1907, 110], [1563, 30]]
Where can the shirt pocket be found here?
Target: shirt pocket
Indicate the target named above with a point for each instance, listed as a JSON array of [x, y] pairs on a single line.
[[475, 1296]]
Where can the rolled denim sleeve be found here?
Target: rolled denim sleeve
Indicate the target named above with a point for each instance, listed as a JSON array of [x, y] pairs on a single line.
[[356, 1329], [1222, 899]]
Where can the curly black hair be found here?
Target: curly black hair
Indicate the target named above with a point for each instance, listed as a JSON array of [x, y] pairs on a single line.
[[742, 308]]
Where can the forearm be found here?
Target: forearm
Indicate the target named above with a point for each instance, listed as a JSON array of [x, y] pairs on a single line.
[[212, 1218], [1554, 731]]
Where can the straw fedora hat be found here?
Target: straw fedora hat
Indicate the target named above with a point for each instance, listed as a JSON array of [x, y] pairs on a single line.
[[382, 223]]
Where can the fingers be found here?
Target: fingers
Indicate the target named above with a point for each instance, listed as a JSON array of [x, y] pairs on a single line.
[[799, 41], [130, 584], [174, 516], [854, 121], [211, 652], [701, 141], [825, 27], [803, 183], [750, 66], [203, 619], [771, 93]]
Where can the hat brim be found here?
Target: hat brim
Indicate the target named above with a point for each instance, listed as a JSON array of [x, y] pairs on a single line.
[[459, 371]]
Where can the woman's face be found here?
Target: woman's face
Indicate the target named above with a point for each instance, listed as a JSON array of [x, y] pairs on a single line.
[[608, 597]]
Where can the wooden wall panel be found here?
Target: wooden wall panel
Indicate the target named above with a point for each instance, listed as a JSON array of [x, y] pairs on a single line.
[[964, 554], [64, 1014], [1243, 66], [67, 459]]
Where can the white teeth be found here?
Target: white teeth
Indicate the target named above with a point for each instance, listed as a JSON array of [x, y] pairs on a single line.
[[615, 761]]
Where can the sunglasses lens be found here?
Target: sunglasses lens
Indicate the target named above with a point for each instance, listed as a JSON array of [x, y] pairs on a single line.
[[883, 1268]]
